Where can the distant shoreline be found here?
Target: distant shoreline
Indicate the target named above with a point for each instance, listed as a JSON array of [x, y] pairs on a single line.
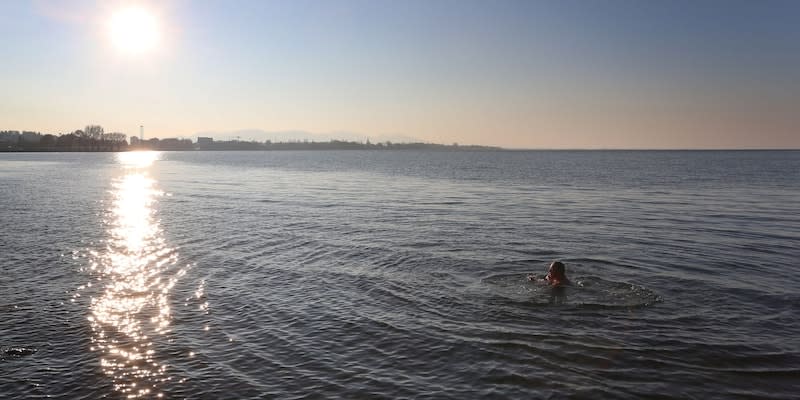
[[395, 148], [251, 146], [93, 138]]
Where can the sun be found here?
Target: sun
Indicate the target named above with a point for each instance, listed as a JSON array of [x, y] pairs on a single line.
[[134, 30]]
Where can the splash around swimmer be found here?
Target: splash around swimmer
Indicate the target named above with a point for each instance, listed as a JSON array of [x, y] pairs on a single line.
[[556, 275]]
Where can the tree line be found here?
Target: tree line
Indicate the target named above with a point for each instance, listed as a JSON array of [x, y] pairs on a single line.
[[90, 138], [331, 145], [94, 138]]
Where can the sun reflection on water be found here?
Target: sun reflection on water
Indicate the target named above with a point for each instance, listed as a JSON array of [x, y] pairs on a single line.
[[137, 270], [138, 159]]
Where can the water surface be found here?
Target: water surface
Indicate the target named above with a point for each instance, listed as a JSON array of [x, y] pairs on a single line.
[[399, 274]]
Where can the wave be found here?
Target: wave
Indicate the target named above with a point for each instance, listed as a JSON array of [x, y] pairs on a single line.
[[587, 292]]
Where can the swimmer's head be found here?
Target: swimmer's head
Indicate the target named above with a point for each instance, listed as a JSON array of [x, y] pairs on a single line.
[[557, 268]]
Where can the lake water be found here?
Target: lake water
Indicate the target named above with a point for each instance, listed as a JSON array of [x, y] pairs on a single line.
[[399, 274]]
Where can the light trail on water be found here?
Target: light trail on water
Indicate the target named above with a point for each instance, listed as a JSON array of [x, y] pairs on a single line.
[[137, 270]]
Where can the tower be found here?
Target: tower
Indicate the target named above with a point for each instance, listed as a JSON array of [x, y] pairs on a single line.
[[141, 132]]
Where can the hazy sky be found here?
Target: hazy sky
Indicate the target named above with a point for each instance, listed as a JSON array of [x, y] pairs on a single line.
[[522, 74]]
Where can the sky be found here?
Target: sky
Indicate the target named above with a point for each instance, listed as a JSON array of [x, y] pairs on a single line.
[[590, 74]]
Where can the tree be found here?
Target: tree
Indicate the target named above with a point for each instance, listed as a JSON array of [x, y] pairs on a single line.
[[94, 134], [94, 131], [116, 137], [48, 141], [66, 142], [116, 140]]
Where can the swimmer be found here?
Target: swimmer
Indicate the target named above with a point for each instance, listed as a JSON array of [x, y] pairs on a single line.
[[556, 275]]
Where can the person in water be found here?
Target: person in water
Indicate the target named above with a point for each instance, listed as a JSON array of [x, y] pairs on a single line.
[[556, 275]]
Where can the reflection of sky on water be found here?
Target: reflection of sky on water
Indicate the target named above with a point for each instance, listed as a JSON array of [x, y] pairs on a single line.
[[137, 270]]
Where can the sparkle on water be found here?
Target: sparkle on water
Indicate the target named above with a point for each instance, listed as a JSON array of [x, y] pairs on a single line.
[[138, 159], [135, 272]]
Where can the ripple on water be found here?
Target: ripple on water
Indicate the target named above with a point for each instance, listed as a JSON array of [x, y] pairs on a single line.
[[585, 292], [7, 352], [343, 283]]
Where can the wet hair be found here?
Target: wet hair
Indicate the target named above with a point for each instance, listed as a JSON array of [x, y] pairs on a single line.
[[558, 267]]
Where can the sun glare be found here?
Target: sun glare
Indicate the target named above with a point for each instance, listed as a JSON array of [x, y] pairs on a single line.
[[134, 30], [137, 159]]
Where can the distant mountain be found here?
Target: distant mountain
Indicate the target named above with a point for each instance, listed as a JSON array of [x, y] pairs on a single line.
[[297, 135]]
